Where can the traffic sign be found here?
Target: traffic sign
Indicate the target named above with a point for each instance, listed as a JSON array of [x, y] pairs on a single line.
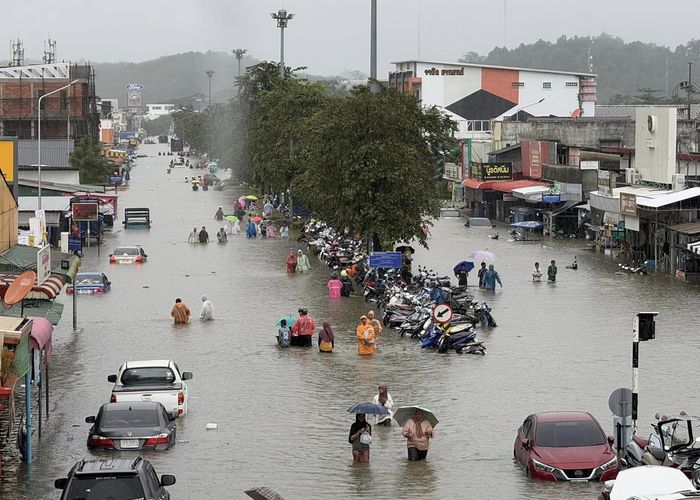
[[442, 313], [620, 402]]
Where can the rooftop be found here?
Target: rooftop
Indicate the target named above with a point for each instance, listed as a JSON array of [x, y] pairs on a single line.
[[473, 65]]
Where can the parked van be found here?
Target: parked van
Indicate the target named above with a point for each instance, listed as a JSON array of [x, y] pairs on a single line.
[[478, 222]]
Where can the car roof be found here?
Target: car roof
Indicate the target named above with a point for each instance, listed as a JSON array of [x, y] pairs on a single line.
[[131, 405], [562, 416], [108, 466], [649, 480], [151, 363]]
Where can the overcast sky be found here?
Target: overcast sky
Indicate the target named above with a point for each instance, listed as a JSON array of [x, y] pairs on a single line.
[[330, 36]]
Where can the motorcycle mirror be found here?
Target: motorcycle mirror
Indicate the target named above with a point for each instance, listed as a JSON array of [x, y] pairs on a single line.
[[525, 443]]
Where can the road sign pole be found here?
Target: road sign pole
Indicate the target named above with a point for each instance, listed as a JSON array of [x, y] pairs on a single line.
[[635, 372]]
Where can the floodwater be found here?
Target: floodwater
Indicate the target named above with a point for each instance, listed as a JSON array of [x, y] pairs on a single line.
[[281, 414]]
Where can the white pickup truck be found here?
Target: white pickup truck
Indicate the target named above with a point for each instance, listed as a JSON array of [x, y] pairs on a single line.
[[153, 380]]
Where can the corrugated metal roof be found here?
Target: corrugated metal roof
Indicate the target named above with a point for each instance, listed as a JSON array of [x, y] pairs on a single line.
[[669, 199], [63, 188], [687, 228], [54, 152], [48, 203]]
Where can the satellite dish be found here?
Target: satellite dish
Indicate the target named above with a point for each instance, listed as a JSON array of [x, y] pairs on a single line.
[[20, 288]]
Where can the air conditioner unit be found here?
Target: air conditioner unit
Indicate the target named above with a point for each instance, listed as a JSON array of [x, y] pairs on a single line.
[[637, 178], [678, 182], [629, 175]]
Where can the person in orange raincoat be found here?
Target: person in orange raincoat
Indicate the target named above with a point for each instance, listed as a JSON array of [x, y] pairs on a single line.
[[180, 312], [365, 337], [291, 262]]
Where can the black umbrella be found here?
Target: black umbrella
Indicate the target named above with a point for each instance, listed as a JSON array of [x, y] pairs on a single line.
[[403, 248]]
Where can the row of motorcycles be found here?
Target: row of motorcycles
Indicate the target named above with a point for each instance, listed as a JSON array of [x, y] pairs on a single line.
[[407, 300], [674, 442]]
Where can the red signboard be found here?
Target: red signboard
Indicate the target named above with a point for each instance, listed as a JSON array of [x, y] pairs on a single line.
[[85, 211]]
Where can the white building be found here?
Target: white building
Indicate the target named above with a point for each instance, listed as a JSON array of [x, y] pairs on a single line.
[[475, 95], [157, 110]]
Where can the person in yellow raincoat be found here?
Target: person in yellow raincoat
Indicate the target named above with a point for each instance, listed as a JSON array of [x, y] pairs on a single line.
[[365, 337]]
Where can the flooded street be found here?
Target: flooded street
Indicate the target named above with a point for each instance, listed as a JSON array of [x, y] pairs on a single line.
[[281, 414]]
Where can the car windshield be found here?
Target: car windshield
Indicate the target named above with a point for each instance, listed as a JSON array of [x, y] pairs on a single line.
[[99, 487], [147, 376], [89, 280], [569, 434], [126, 251], [117, 419]]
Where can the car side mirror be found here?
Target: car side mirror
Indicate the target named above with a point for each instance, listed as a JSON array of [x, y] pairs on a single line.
[[90, 419], [145, 255], [112, 379], [167, 480], [186, 375], [525, 443], [60, 484]]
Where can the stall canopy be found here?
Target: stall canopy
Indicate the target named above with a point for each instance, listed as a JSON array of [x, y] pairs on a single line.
[[48, 290], [40, 336], [477, 184], [531, 193], [509, 186], [664, 200]]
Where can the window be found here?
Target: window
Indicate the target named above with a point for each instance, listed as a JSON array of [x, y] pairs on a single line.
[[572, 84], [569, 434], [477, 126], [517, 85], [547, 85], [486, 127]]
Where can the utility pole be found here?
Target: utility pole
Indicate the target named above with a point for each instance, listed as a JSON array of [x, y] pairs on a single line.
[[689, 88], [283, 17], [239, 53], [210, 73], [373, 41], [643, 328]]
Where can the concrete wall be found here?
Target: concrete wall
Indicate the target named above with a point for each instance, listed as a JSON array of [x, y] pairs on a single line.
[[58, 176], [569, 131], [655, 140]]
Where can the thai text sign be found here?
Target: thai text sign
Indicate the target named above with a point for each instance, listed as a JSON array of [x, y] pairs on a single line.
[[385, 260], [43, 264], [496, 171], [628, 204], [84, 212], [551, 198]]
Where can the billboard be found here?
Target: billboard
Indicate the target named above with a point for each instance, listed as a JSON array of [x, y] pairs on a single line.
[[496, 171], [8, 161], [85, 211], [137, 87], [628, 204], [134, 99]]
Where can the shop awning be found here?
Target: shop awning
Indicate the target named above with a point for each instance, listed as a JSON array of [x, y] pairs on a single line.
[[563, 208], [533, 193], [477, 184], [48, 290], [668, 199], [509, 186], [21, 257], [689, 228], [585, 206]]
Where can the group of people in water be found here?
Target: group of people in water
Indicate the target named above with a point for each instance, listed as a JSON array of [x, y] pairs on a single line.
[[551, 271], [181, 313], [297, 262]]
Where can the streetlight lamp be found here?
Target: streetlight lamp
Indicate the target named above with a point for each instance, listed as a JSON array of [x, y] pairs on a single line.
[[282, 17], [239, 53], [210, 73], [38, 142]]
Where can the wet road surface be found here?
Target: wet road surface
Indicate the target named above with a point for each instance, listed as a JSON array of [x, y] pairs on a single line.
[[282, 413]]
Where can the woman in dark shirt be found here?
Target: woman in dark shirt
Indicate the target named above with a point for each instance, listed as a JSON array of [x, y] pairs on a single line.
[[360, 450]]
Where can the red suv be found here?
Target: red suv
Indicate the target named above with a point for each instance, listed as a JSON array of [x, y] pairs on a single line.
[[565, 446]]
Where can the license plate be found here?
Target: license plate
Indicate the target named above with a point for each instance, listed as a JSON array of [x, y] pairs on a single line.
[[124, 261], [130, 443], [84, 291]]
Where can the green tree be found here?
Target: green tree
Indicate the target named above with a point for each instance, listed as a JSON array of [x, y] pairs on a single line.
[[369, 163], [93, 168], [158, 126]]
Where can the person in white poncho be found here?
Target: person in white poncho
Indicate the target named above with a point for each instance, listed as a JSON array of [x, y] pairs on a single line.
[[207, 309]]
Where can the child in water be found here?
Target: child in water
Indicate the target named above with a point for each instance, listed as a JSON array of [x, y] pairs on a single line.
[[537, 272]]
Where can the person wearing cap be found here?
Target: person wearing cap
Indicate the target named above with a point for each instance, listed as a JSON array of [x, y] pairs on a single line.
[[303, 330], [365, 337], [302, 262]]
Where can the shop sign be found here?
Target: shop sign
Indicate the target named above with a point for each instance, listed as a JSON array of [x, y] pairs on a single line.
[[628, 204], [604, 187], [85, 212], [551, 198], [444, 72], [496, 171], [589, 164]]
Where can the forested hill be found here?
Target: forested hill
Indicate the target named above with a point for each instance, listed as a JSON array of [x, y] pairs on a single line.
[[622, 68]]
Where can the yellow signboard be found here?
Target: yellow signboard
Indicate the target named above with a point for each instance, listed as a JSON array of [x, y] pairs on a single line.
[[7, 160]]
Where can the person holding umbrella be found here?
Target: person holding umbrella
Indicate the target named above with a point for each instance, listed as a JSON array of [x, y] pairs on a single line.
[[417, 431], [360, 438]]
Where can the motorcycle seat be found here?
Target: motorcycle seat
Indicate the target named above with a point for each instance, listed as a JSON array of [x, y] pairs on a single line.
[[641, 442]]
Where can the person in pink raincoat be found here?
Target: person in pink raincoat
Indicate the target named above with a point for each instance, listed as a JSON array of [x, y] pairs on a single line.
[[334, 287]]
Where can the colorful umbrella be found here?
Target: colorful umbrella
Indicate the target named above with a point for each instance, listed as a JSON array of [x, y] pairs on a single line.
[[465, 264], [231, 218], [256, 219], [368, 408], [252, 198], [290, 321], [403, 413], [263, 493], [482, 255]]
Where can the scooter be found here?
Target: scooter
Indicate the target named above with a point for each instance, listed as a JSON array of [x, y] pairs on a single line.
[[462, 343], [483, 313]]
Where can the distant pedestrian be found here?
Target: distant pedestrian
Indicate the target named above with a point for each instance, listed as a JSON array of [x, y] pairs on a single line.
[[284, 230], [462, 276], [284, 335], [267, 209], [334, 287], [482, 271], [537, 272], [203, 235], [302, 262], [383, 398], [221, 236], [490, 279], [236, 228], [207, 313], [426, 231], [219, 215], [180, 312], [250, 231], [193, 237], [417, 432], [552, 272], [271, 230], [573, 265], [291, 262], [263, 230], [326, 339]]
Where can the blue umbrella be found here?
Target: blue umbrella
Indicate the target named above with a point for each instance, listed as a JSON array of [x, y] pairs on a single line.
[[529, 224], [368, 408], [465, 264], [290, 321]]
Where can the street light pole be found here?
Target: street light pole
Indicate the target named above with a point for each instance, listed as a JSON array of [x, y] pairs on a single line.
[[38, 142], [373, 41], [210, 73], [282, 17], [239, 53]]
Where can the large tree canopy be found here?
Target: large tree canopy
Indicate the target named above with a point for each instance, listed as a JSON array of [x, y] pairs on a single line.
[[93, 168]]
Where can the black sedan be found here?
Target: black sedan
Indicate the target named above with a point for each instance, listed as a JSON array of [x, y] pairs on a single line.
[[135, 425]]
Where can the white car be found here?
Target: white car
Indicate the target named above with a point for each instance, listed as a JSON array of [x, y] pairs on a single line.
[[649, 482], [128, 255], [153, 380]]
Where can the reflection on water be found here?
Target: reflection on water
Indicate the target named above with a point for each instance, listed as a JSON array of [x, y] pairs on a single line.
[[282, 413]]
